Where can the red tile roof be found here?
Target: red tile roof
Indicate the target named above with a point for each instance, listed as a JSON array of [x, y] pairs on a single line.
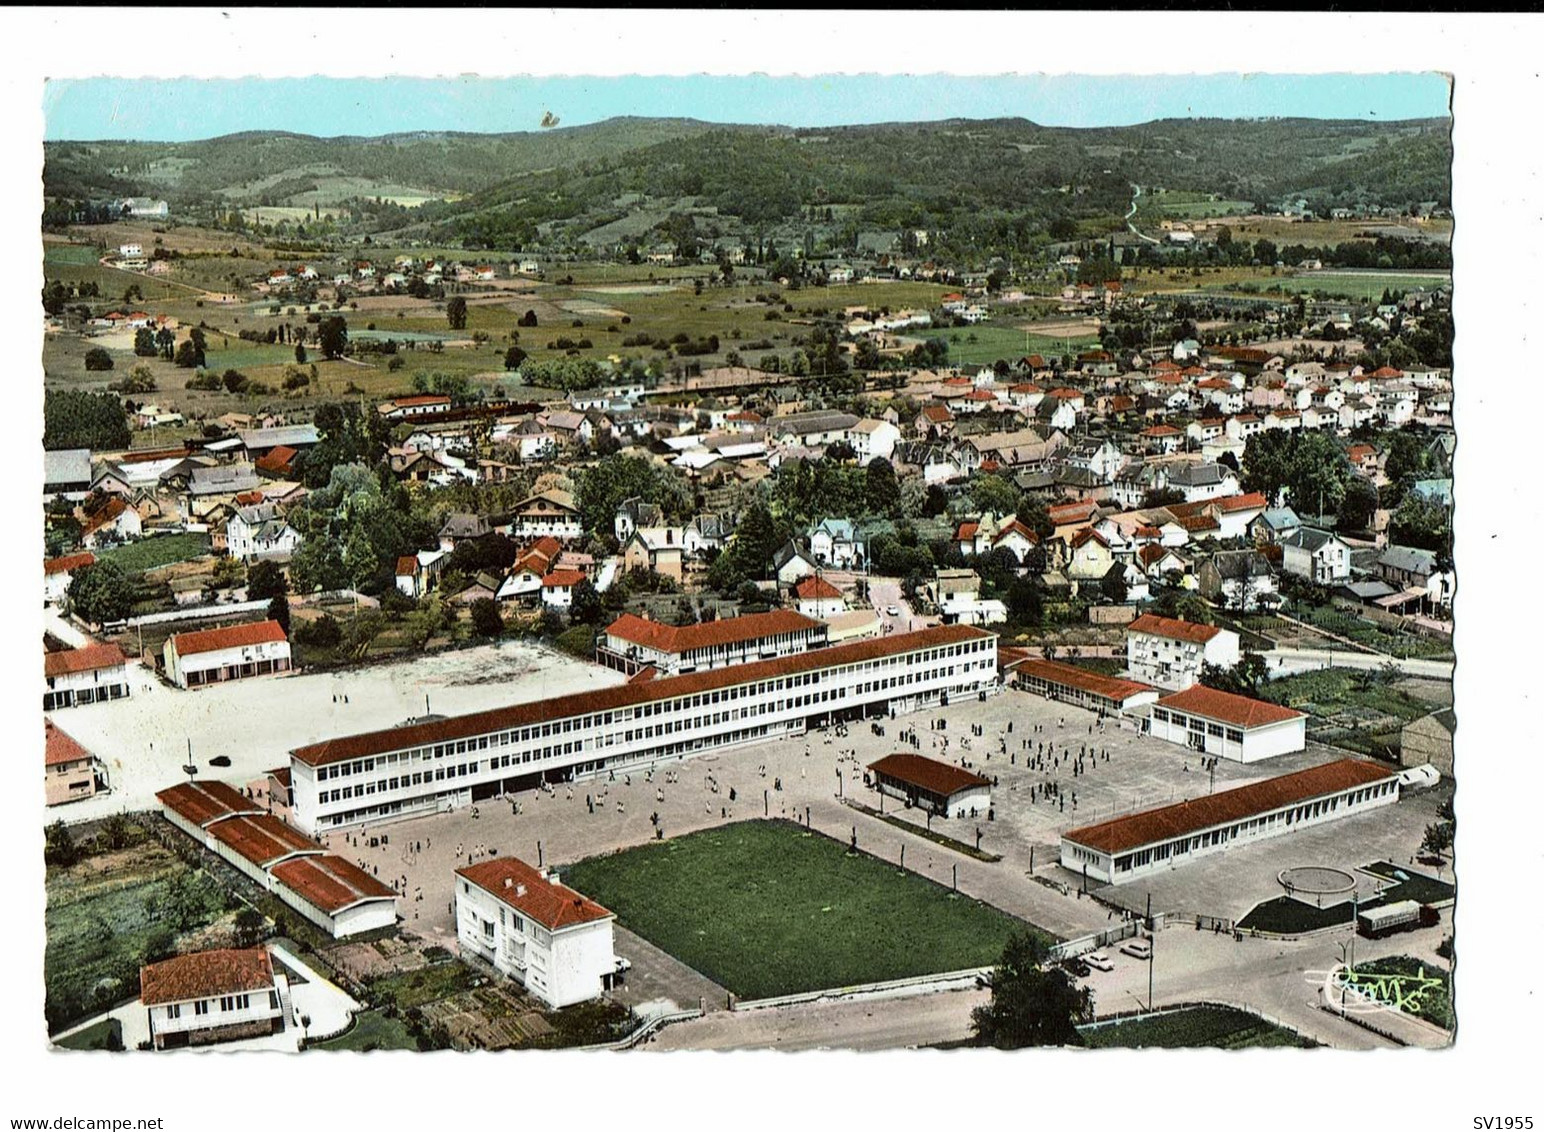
[[1150, 827], [967, 530], [248, 498], [1243, 502], [87, 659], [928, 774], [205, 974], [560, 578], [609, 699], [1088, 534], [644, 675], [937, 413], [59, 748], [330, 883], [1196, 634], [1197, 523], [1070, 675], [261, 839], [202, 801], [277, 459], [513, 882], [407, 566], [232, 636], [709, 634], [68, 563], [816, 588], [1225, 707], [105, 514]]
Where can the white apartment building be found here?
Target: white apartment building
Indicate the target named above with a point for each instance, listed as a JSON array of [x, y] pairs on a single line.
[[259, 531], [440, 764], [529, 926], [1169, 653]]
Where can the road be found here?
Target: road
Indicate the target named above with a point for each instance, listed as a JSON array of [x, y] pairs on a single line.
[[1285, 662], [885, 593], [901, 1023], [1132, 211]]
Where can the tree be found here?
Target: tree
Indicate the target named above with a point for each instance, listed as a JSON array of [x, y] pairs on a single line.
[[528, 319], [98, 359], [59, 847], [587, 608], [487, 621], [1422, 523], [144, 342], [101, 593], [1113, 584], [1356, 509], [318, 565], [455, 313], [279, 610], [1025, 602], [994, 493], [1438, 838], [249, 927], [881, 491], [300, 354], [332, 336], [1033, 1003], [513, 357]]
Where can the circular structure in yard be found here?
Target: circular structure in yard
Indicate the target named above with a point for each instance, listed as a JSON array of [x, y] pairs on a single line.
[[1316, 880]]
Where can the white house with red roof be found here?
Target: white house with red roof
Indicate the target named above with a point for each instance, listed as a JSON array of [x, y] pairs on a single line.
[[1169, 653], [557, 588], [529, 926], [815, 597], [213, 996], [632, 642], [212, 656], [58, 573]]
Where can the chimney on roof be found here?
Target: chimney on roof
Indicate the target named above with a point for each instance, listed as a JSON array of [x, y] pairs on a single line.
[[509, 882], [519, 890], [552, 877]]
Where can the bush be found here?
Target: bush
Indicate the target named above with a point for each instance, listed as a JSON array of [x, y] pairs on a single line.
[[323, 633], [98, 359]]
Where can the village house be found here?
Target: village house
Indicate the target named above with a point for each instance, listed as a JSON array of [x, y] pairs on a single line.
[[550, 512], [1169, 653], [58, 573], [557, 588], [660, 549], [1237, 579], [836, 544], [70, 772], [213, 996], [260, 532], [817, 598], [1322, 557]]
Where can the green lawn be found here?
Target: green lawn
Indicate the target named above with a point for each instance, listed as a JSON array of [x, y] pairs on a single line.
[[1210, 1027], [1435, 1004], [106, 1034], [426, 984], [372, 1030], [766, 908], [158, 550], [985, 343], [76, 254], [1290, 916]]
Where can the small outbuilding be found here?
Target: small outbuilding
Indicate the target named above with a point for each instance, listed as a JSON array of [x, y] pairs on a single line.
[[942, 788]]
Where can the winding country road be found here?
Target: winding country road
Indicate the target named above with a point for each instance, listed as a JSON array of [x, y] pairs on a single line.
[[1137, 192]]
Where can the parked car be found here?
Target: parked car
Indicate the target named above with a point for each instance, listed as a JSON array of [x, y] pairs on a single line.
[[1099, 961], [894, 611], [1076, 967], [1137, 948]]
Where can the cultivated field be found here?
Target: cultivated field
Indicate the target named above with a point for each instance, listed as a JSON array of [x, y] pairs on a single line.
[[766, 908], [1212, 1027]]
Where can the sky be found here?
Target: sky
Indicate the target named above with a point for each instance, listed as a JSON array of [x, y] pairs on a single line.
[[100, 109]]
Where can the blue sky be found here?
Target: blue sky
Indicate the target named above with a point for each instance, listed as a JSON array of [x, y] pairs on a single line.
[[184, 109]]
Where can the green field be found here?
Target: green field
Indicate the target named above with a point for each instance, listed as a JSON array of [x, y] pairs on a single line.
[[984, 344], [1209, 1027], [107, 916], [157, 550], [766, 908], [1434, 1005], [76, 254], [106, 1034]]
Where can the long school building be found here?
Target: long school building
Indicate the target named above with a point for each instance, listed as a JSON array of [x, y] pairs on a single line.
[[1160, 839], [441, 764]]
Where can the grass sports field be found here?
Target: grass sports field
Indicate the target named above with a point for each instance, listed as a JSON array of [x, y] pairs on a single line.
[[766, 908], [1215, 1027]]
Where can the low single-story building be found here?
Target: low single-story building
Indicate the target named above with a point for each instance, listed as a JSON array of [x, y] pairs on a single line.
[[213, 996], [336, 895], [1151, 841], [946, 790], [211, 656], [1067, 683], [549, 938], [85, 675], [1230, 726]]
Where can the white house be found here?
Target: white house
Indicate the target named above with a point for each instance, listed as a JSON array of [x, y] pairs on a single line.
[[1232, 727], [259, 531], [631, 643], [1169, 653], [556, 943], [58, 573], [213, 996], [557, 588], [1319, 556], [871, 438], [835, 543], [547, 513], [1160, 839], [818, 598], [211, 656]]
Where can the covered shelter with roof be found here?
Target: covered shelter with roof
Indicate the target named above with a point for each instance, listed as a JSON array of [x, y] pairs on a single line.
[[939, 787], [529, 926], [1166, 837], [1226, 725], [1070, 684]]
